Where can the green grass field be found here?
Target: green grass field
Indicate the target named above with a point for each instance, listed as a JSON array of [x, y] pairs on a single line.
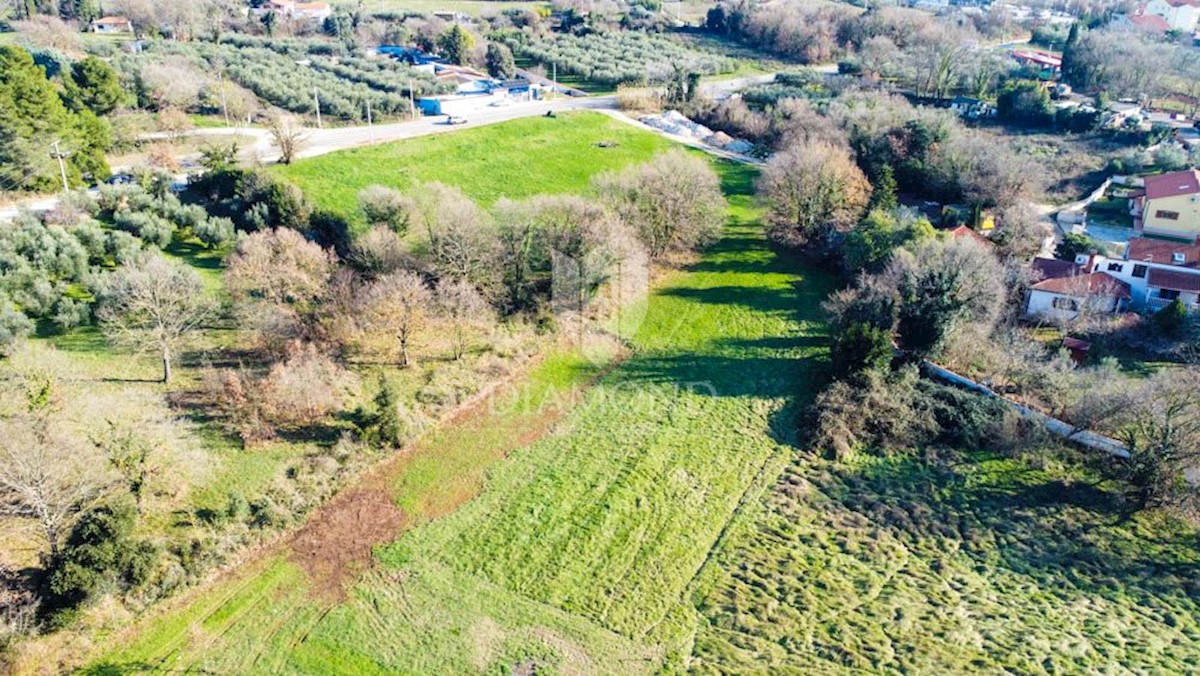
[[657, 515], [516, 159], [581, 549]]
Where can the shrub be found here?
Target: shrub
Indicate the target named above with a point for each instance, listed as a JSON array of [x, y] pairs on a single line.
[[1073, 244], [1172, 320], [860, 348], [100, 550], [381, 205], [964, 419]]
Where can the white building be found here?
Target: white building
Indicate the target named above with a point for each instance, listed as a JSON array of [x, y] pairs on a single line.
[[311, 11], [1180, 15], [1073, 289], [112, 24], [1155, 272]]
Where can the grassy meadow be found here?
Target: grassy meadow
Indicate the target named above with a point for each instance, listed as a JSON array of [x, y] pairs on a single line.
[[521, 158], [655, 513], [582, 545]]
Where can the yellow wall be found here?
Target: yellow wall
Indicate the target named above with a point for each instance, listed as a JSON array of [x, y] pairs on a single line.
[[1188, 224]]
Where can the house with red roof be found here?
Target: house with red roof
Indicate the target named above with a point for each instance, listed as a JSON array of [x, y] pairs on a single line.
[[1180, 15], [1141, 21], [1155, 271], [1170, 206], [1070, 288]]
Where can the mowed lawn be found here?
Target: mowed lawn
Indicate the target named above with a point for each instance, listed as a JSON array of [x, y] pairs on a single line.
[[516, 159], [580, 550]]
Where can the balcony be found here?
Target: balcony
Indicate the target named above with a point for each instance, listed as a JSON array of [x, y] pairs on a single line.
[[1156, 304]]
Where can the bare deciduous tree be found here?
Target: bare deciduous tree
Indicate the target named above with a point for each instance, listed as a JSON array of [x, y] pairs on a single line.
[[289, 137], [380, 251], [457, 236], [462, 307], [46, 473], [152, 304], [812, 190], [275, 278], [398, 306], [674, 201], [278, 266]]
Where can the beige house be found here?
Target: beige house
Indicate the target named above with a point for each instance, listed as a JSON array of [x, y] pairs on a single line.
[[112, 24], [1170, 206]]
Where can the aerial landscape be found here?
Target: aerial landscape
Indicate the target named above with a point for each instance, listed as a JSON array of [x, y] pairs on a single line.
[[599, 336]]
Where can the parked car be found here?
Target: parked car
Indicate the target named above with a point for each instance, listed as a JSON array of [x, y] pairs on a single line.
[[455, 119]]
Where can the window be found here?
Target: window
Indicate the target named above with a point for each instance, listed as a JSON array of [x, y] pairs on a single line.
[[1168, 294], [1167, 215], [1139, 271], [1115, 267], [1061, 303], [1178, 258]]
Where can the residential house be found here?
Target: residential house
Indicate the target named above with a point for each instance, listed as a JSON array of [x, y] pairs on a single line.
[[1170, 205], [966, 232], [1074, 289], [1047, 62], [1140, 21], [112, 24], [1180, 15], [309, 11], [1157, 271]]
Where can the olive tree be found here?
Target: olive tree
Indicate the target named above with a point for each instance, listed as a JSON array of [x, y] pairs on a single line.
[[152, 303], [382, 205]]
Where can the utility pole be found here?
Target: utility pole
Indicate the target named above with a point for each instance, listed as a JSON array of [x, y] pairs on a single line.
[[412, 104], [224, 103], [62, 166], [370, 123], [554, 91], [317, 99]]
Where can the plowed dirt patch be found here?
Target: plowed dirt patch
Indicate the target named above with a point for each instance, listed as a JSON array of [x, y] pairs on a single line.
[[335, 547]]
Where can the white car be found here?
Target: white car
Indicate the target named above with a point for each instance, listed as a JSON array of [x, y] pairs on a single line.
[[455, 119], [500, 103]]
